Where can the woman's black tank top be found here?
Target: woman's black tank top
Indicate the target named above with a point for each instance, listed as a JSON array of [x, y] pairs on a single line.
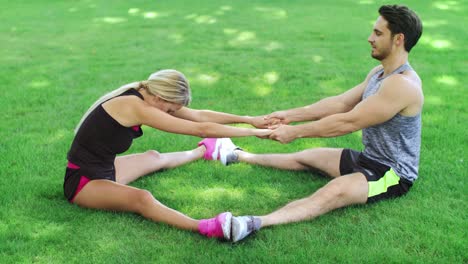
[[99, 139]]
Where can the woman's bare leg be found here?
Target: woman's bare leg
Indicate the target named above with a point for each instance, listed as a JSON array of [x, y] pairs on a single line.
[[108, 195], [131, 167]]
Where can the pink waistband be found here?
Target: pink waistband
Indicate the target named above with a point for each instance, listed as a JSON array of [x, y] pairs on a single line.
[[72, 166]]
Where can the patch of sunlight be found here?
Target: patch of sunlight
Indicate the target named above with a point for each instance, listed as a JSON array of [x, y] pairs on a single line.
[[433, 100], [447, 79], [177, 38], [39, 84], [271, 77], [366, 2], [273, 46], [446, 5], [230, 31], [435, 23], [207, 79], [191, 16], [276, 13], [112, 20], [436, 43], [216, 192], [317, 58], [269, 192], [222, 10], [243, 38], [441, 44], [205, 19], [150, 15], [134, 11], [262, 90], [72, 9], [92, 6]]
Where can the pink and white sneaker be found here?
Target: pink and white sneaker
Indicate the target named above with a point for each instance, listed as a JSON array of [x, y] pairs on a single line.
[[212, 146], [219, 226], [217, 148]]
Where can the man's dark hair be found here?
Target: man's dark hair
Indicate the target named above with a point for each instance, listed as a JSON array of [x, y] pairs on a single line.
[[401, 19]]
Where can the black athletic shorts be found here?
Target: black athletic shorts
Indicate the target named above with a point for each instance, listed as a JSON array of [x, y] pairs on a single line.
[[76, 178], [383, 181]]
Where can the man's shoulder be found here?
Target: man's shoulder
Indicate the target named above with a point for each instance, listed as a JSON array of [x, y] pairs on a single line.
[[407, 80]]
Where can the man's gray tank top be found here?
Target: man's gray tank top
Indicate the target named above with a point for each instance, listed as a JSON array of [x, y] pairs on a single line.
[[396, 142]]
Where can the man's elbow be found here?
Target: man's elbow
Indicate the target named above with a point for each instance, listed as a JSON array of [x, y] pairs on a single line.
[[348, 127]]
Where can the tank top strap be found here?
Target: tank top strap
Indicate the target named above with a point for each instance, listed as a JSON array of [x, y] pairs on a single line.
[[404, 67]]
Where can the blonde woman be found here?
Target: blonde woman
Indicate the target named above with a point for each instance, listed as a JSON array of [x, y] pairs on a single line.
[[96, 178]]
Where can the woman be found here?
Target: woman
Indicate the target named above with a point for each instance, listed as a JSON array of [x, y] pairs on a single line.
[[96, 178]]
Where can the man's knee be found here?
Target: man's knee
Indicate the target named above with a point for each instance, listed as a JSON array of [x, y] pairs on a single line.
[[334, 190], [345, 190], [305, 159]]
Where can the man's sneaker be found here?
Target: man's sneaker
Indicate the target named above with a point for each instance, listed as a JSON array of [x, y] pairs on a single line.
[[242, 226], [219, 226]]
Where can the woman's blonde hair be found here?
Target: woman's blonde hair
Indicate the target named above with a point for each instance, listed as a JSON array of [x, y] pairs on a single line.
[[169, 85]]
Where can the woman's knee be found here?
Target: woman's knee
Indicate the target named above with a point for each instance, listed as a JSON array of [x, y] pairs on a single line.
[[153, 154], [143, 199]]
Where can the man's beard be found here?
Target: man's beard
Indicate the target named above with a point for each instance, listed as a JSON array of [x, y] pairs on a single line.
[[382, 54]]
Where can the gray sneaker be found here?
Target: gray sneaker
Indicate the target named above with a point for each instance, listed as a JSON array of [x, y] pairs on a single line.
[[242, 226]]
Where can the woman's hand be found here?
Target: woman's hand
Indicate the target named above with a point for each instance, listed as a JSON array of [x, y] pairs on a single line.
[[262, 133]]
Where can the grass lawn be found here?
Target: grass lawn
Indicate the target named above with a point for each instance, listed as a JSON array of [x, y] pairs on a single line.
[[245, 57]]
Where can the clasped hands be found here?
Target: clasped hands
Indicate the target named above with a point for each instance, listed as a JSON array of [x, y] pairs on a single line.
[[277, 123]]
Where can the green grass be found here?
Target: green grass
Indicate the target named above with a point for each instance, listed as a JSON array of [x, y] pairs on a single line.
[[246, 57]]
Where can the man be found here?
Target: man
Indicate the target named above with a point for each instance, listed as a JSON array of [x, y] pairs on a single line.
[[386, 106]]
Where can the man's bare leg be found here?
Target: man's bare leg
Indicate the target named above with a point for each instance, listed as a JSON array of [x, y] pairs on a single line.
[[340, 192], [324, 159]]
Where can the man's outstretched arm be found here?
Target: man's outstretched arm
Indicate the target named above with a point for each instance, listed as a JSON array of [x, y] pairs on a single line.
[[328, 106], [395, 94]]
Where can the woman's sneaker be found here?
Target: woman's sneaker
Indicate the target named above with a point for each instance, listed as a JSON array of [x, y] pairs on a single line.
[[221, 149], [212, 146], [219, 226]]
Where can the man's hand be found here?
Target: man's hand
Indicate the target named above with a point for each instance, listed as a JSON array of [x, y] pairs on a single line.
[[277, 118], [284, 133]]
